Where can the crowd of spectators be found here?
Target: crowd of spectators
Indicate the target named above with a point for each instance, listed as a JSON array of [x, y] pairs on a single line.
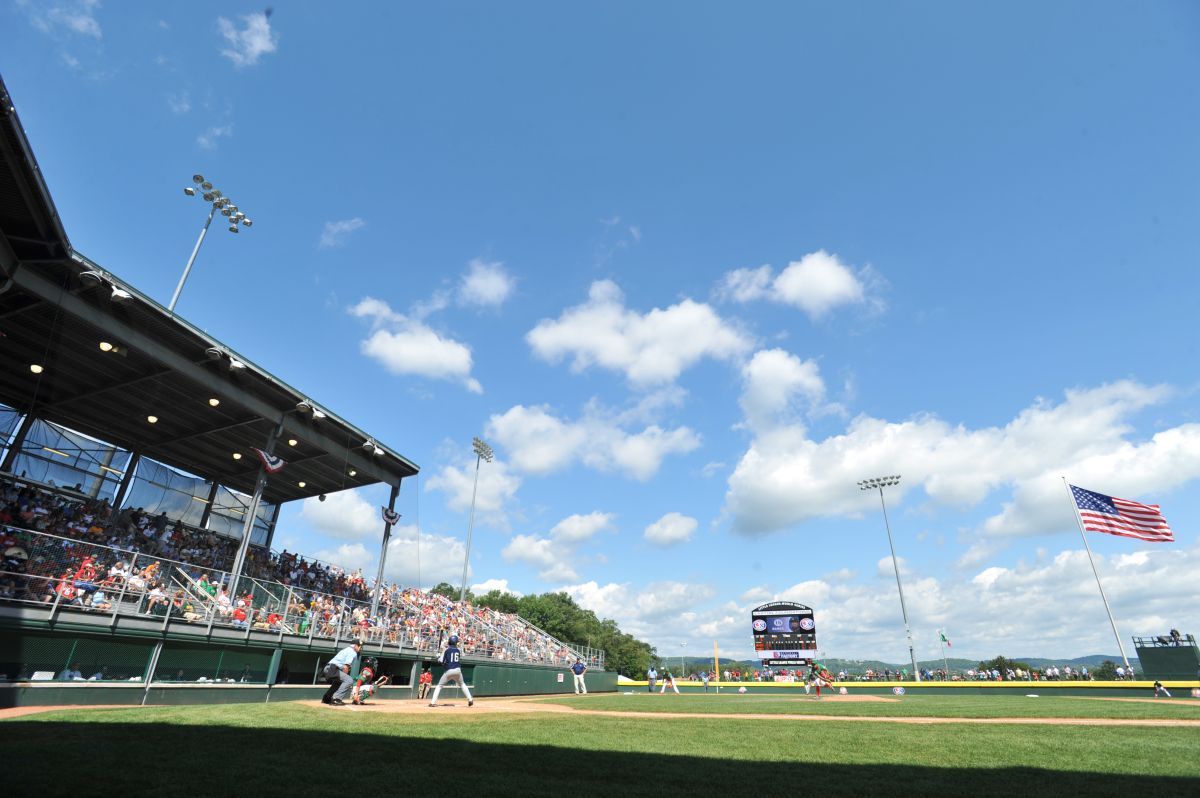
[[97, 557]]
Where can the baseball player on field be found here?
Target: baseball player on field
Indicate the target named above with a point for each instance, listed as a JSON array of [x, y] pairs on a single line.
[[364, 687], [451, 661]]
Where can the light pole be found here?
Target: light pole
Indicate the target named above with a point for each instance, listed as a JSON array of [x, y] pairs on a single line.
[[482, 452], [682, 666], [880, 483], [219, 203]]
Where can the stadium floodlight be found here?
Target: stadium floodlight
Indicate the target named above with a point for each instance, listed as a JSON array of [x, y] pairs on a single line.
[[247, 223], [92, 276], [482, 452], [369, 447], [219, 203], [879, 483], [235, 364], [120, 294]]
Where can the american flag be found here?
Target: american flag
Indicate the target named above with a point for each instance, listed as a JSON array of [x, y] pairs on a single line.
[[1113, 516], [272, 463]]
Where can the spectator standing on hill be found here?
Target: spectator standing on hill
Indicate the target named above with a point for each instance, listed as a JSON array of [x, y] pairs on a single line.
[[451, 661], [338, 674], [579, 669]]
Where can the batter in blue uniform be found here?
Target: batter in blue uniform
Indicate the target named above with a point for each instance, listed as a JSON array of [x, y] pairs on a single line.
[[451, 660]]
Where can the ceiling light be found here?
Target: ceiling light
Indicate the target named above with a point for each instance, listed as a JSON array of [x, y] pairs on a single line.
[[353, 473], [91, 276], [152, 419], [105, 346], [214, 402], [292, 441], [112, 470], [197, 179], [237, 455], [56, 451], [120, 294], [191, 192], [302, 484], [35, 368]]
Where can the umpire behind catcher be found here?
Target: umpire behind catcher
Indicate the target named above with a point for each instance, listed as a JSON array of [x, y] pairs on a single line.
[[338, 674]]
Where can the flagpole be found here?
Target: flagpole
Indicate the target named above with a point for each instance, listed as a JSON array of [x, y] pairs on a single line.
[[1104, 598]]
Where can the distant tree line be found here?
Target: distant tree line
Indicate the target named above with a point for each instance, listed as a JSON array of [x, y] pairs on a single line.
[[559, 615]]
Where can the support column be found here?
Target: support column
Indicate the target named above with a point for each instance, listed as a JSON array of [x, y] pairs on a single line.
[[387, 534], [212, 497], [14, 448], [252, 513], [122, 489], [271, 527]]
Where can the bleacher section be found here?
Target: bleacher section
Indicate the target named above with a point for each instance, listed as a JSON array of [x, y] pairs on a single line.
[[78, 555]]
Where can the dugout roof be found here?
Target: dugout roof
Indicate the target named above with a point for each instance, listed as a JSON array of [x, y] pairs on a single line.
[[56, 307]]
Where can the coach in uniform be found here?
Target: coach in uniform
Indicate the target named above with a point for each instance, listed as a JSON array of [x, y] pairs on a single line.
[[338, 674], [579, 669], [451, 661]]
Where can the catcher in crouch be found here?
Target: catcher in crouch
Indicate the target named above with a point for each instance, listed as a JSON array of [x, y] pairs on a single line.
[[364, 688]]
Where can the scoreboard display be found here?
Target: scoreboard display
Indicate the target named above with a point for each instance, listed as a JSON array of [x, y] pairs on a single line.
[[785, 633]]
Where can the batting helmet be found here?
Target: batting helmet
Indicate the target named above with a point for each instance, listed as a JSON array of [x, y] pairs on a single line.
[[454, 640]]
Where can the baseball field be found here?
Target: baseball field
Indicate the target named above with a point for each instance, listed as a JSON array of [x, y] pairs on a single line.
[[626, 744]]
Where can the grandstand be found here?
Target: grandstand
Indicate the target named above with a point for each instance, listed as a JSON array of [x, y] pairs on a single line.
[[134, 506]]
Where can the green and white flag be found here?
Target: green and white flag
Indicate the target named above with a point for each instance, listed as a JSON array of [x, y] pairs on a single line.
[[945, 639]]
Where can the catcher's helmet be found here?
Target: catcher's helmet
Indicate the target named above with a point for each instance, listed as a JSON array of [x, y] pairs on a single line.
[[454, 640], [371, 662]]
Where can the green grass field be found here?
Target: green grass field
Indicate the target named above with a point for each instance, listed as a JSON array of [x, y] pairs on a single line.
[[294, 749]]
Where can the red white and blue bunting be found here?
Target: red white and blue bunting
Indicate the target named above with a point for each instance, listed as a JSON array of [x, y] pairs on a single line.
[[271, 463], [390, 517]]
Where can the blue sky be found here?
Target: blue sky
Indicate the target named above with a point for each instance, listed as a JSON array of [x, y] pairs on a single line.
[[693, 270]]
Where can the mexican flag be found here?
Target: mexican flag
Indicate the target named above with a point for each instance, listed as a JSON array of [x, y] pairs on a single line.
[[945, 639]]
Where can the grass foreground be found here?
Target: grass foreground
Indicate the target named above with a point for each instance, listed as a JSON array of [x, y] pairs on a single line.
[[300, 750]]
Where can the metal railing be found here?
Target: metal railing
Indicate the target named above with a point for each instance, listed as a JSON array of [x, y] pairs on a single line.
[[73, 575]]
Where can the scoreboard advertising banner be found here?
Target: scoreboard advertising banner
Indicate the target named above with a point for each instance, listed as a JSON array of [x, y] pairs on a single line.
[[785, 633]]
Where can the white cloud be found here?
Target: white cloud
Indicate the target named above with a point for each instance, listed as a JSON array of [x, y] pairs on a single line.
[[540, 443], [773, 380], [647, 611], [208, 139], [486, 284], [404, 345], [344, 514], [578, 528], [817, 284], [179, 103], [550, 557], [488, 585], [650, 349], [440, 559], [672, 528], [497, 488], [785, 478], [77, 17], [334, 233], [245, 46]]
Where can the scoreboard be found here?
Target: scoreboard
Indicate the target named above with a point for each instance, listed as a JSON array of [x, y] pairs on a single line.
[[785, 633]]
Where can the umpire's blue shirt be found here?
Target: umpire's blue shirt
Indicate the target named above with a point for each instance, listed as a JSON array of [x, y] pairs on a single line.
[[344, 657], [450, 658]]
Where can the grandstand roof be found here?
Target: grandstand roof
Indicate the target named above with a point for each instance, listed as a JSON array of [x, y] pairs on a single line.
[[56, 307]]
